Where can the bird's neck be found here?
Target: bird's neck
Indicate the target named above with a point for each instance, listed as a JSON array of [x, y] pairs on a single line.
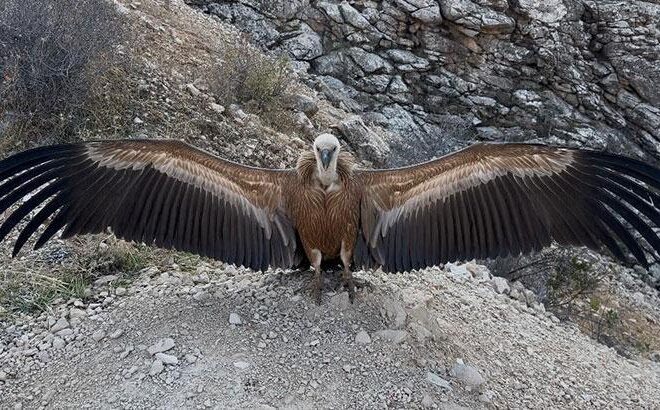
[[327, 177]]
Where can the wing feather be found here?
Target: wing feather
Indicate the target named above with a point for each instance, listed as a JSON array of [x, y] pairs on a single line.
[[494, 200], [160, 192]]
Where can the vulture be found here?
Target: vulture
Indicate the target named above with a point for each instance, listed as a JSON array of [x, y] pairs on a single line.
[[486, 201]]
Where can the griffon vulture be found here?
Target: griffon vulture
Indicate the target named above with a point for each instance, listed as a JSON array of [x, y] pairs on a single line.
[[484, 201]]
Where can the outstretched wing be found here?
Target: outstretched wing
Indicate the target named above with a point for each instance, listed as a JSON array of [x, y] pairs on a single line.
[[161, 192], [493, 200]]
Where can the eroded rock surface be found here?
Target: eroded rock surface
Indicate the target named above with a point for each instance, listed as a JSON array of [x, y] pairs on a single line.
[[445, 73]]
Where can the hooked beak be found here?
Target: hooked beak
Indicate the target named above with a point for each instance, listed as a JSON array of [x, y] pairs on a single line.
[[326, 157]]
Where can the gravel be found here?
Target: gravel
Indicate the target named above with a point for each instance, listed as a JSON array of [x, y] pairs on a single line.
[[460, 343]]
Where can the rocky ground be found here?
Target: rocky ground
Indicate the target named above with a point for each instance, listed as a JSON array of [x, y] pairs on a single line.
[[221, 337]]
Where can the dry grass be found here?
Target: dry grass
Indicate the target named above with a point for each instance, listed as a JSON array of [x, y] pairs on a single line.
[[577, 287], [247, 77], [63, 70], [611, 321], [67, 271]]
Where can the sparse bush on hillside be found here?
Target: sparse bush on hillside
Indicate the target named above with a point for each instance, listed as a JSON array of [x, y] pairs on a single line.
[[557, 276], [62, 70], [247, 77], [573, 286]]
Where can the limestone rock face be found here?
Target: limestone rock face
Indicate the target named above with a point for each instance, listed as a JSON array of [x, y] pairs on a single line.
[[443, 73]]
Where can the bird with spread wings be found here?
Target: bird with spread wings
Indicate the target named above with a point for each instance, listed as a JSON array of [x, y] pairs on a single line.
[[485, 201]]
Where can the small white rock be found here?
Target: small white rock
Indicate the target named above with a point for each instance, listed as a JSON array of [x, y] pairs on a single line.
[[98, 335], [76, 313], [500, 285], [235, 319], [193, 90], [395, 336], [160, 346], [201, 278], [437, 380], [116, 334], [201, 296], [241, 365], [362, 338], [156, 368], [467, 374], [58, 343], [167, 358], [61, 324], [217, 108], [120, 291]]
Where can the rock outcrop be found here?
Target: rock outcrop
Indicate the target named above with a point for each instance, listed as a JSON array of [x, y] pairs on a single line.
[[440, 73]]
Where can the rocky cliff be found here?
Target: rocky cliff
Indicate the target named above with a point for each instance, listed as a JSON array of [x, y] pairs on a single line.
[[441, 73]]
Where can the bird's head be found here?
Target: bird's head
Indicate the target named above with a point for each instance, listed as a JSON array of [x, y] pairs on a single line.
[[326, 150]]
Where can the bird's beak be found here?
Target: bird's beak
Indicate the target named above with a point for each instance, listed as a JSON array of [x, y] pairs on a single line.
[[326, 157]]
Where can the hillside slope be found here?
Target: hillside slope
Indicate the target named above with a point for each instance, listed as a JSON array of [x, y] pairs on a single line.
[[177, 331]]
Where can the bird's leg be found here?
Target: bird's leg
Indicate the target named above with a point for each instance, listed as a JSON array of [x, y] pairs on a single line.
[[347, 275], [317, 282]]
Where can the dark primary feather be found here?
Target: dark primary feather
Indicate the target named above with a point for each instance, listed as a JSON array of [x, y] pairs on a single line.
[[196, 204], [526, 197]]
